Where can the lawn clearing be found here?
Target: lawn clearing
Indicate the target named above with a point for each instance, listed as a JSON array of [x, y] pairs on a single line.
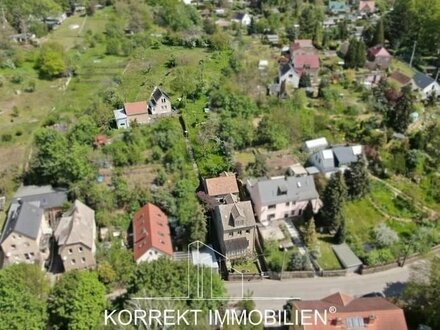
[[327, 259]]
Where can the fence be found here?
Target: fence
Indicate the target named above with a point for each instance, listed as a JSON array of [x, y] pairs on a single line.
[[245, 277], [291, 274]]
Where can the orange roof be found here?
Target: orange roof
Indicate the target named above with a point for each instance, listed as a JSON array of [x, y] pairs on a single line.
[[225, 184], [376, 312], [136, 108], [151, 230]]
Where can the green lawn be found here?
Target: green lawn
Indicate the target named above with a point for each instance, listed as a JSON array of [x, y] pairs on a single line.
[[394, 206], [327, 259], [402, 67], [361, 217], [247, 266]]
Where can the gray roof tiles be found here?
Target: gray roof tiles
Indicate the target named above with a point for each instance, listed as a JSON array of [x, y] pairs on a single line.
[[422, 80], [238, 211], [24, 219], [271, 191], [47, 196]]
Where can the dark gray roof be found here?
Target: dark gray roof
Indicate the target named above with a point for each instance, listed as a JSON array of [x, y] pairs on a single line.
[[24, 219], [236, 245], [346, 256], [235, 215], [284, 68], [422, 80], [270, 191], [239, 16], [46, 197], [345, 155]]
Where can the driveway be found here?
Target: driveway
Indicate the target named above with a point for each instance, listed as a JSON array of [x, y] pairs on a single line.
[[272, 294]]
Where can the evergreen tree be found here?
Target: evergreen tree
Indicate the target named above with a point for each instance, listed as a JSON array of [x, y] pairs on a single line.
[[379, 34], [357, 179], [361, 54], [400, 119], [305, 80], [356, 54], [341, 234], [334, 197], [311, 239]]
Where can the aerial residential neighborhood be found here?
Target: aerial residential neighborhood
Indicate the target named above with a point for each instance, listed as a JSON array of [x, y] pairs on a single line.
[[219, 164]]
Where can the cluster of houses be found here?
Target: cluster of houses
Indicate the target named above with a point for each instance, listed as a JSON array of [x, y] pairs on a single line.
[[301, 57], [143, 112], [41, 231], [42, 228]]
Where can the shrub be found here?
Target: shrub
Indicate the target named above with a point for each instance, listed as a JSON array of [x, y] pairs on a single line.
[[379, 257], [17, 79], [6, 137], [384, 236]]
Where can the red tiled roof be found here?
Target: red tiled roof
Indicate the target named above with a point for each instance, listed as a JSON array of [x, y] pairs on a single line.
[[400, 77], [222, 185], [151, 230], [136, 108], [311, 61], [101, 140], [376, 312], [302, 43], [367, 5], [378, 51]]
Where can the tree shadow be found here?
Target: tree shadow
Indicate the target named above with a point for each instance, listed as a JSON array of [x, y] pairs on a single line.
[[394, 289]]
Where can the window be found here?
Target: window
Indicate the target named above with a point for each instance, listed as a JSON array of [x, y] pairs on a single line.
[[73, 261], [270, 216], [70, 251], [80, 249], [293, 212], [300, 211], [271, 206], [239, 232], [32, 254], [288, 204], [83, 260], [231, 234], [286, 215], [27, 256], [13, 246], [248, 231], [13, 236]]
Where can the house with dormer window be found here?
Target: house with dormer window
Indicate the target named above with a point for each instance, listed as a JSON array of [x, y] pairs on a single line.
[[283, 197], [235, 228]]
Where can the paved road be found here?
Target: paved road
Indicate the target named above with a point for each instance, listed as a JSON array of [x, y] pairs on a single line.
[[391, 282]]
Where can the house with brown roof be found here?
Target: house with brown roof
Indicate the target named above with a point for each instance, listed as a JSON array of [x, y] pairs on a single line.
[[75, 236], [378, 58], [151, 234], [307, 63], [223, 185], [372, 313], [399, 78], [302, 47], [142, 112]]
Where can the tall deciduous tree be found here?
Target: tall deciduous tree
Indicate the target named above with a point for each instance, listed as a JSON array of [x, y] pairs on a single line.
[[422, 294], [23, 294], [77, 301]]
